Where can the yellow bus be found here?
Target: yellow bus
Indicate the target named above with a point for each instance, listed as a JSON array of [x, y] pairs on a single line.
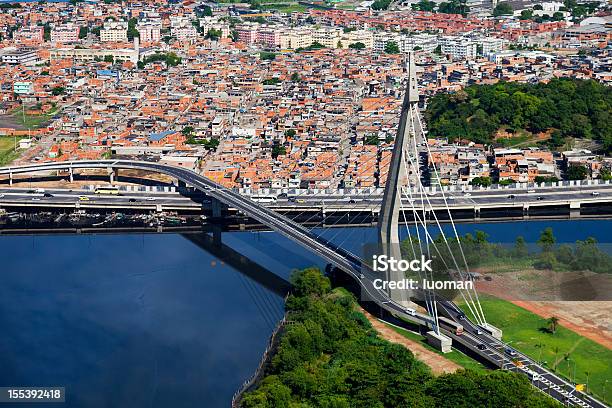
[[107, 190]]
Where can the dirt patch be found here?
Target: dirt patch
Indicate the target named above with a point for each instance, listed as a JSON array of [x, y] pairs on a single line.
[[437, 363], [578, 299]]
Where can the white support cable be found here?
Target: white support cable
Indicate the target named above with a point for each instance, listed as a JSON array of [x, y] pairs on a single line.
[[453, 226], [473, 311], [428, 237], [419, 183], [427, 301]]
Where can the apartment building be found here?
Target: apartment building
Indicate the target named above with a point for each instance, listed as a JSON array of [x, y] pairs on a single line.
[[20, 56], [297, 38], [114, 31], [328, 37], [150, 31], [458, 47], [32, 35], [65, 33]]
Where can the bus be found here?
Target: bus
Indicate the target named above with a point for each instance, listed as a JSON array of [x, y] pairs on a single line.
[[264, 199], [450, 325], [107, 190]]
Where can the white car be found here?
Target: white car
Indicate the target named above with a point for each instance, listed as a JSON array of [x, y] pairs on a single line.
[[150, 198], [530, 191], [467, 195], [1, 195], [595, 193]]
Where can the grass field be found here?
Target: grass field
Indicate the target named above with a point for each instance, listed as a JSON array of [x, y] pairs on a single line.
[[567, 353], [454, 356], [7, 152]]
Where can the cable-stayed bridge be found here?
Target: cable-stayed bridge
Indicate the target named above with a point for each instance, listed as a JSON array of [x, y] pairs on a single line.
[[403, 188]]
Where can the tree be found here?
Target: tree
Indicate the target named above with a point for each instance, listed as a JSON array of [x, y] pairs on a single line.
[[391, 47], [132, 31], [605, 174], [526, 14], [520, 248], [267, 56], [424, 5], [58, 90], [109, 58], [187, 131], [357, 45], [278, 150], [83, 31], [503, 9], [576, 172], [213, 34], [553, 323], [295, 77], [481, 181], [547, 240], [47, 32], [290, 133]]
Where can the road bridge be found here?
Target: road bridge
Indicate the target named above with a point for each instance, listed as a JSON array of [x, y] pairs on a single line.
[[494, 351]]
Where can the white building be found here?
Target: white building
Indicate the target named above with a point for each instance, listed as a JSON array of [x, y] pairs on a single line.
[[20, 56], [114, 31], [458, 47]]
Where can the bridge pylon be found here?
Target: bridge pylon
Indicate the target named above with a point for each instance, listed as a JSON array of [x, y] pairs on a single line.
[[388, 218]]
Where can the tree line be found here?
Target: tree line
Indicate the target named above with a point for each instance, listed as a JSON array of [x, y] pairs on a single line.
[[330, 356], [568, 107]]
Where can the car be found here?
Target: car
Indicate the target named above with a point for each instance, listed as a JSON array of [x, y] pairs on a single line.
[[595, 193], [511, 196], [282, 195], [352, 201], [481, 346], [132, 200], [83, 198], [361, 276], [410, 311], [35, 198], [488, 278], [478, 332], [39, 190], [539, 198], [451, 197], [150, 198], [467, 194], [1, 195], [300, 201], [510, 351], [292, 199], [461, 316], [530, 191], [47, 195]]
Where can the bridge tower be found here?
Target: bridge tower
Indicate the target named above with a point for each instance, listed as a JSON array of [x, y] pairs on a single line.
[[388, 219]]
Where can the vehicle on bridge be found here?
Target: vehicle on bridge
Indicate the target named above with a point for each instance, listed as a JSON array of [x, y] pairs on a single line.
[[107, 190], [450, 325]]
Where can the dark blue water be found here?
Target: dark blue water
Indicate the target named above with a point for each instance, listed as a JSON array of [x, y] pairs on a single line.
[[154, 320]]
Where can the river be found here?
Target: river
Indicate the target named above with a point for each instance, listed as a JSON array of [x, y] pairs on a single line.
[[154, 320]]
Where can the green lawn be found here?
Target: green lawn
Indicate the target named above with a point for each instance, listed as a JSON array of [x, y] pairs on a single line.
[[32, 121], [7, 151], [527, 332], [455, 355]]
